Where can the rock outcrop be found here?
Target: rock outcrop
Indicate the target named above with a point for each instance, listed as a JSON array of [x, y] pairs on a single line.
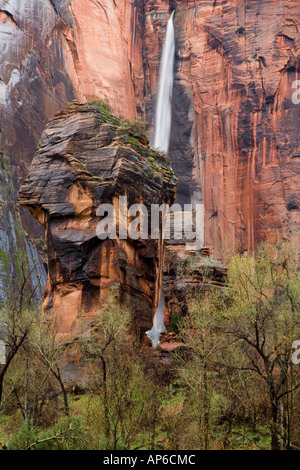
[[186, 275], [85, 159]]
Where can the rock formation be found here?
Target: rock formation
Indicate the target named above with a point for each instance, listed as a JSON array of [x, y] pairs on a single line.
[[234, 141], [186, 272], [86, 158], [34, 84]]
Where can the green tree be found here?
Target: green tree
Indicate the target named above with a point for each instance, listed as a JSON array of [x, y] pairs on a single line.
[[121, 393], [49, 350], [197, 364], [17, 319], [260, 313]]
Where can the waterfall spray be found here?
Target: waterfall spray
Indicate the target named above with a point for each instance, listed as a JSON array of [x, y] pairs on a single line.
[[163, 119], [158, 321]]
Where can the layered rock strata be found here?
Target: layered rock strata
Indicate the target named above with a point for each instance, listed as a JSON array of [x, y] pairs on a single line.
[[85, 159], [234, 143]]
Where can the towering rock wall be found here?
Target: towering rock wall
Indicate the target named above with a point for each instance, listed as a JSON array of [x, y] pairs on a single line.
[[235, 142], [104, 47], [52, 51], [235, 139], [34, 84]]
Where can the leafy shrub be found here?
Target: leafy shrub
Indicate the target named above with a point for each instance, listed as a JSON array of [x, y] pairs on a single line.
[[100, 103], [65, 435], [23, 437], [175, 323], [136, 127]]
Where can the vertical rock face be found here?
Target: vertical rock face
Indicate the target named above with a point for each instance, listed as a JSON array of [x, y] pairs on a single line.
[[34, 84], [104, 44], [234, 143], [51, 52], [19, 258], [86, 159], [34, 81], [238, 145]]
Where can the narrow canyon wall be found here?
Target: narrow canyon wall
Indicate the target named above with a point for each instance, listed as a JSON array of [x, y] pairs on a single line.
[[34, 84], [52, 51], [104, 51], [234, 142]]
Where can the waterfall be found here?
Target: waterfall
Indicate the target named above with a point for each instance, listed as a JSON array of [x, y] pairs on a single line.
[[165, 87], [158, 322], [163, 119]]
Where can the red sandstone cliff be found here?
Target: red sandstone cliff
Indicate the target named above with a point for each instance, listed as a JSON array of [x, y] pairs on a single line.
[[235, 139], [235, 135]]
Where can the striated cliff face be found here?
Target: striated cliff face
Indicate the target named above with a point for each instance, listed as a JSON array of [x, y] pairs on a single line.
[[103, 47], [34, 84], [235, 142], [85, 159], [52, 51], [235, 139]]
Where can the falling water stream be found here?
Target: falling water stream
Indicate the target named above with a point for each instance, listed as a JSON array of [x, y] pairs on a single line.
[[158, 321], [163, 114], [163, 119]]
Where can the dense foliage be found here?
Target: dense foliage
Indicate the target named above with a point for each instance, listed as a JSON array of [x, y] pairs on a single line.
[[233, 385]]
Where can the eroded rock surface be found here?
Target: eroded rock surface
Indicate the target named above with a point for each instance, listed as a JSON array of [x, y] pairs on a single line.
[[234, 142], [85, 159], [235, 139], [34, 84], [186, 275]]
